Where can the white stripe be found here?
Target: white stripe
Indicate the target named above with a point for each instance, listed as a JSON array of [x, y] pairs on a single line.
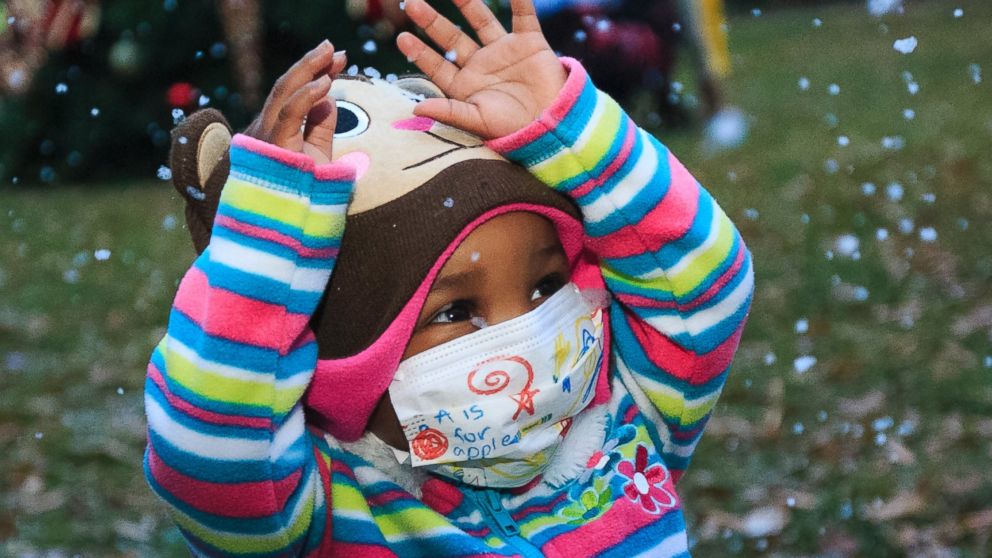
[[595, 120], [199, 444], [437, 531], [699, 321], [672, 545], [329, 209], [357, 515], [249, 260], [290, 431], [631, 185], [310, 279], [173, 345], [296, 381]]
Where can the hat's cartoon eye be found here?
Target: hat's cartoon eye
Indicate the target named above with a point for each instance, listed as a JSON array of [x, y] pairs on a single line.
[[352, 120]]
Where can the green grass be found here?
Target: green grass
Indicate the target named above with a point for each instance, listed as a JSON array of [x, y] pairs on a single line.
[[75, 332]]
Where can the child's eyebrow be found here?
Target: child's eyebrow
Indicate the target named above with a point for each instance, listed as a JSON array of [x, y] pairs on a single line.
[[453, 280], [548, 251]]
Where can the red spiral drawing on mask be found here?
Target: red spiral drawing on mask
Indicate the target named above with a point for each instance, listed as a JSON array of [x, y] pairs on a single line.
[[429, 444], [497, 380]]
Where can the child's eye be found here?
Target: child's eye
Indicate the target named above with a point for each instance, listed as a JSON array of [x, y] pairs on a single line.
[[458, 311], [548, 286]]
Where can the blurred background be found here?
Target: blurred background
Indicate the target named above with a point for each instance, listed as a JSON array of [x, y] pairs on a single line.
[[850, 142]]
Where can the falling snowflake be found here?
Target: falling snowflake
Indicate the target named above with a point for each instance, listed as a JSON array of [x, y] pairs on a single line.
[[905, 46], [804, 363]]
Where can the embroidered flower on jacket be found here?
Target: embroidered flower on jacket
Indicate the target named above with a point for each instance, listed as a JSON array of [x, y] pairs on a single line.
[[646, 483], [606, 458], [593, 502]]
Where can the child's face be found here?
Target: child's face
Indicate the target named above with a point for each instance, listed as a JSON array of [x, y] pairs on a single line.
[[503, 269]]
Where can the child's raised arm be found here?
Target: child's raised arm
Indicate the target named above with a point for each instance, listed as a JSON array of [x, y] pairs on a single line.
[[680, 274], [227, 446]]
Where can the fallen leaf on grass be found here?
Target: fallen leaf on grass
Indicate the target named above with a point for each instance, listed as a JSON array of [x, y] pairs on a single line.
[[863, 406], [906, 503], [980, 317]]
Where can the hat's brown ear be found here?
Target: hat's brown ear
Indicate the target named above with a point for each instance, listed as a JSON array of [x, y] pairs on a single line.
[[200, 160]]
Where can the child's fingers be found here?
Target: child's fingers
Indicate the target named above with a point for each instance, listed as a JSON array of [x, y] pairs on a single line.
[[321, 121], [338, 63], [458, 114], [440, 29], [482, 20], [437, 69], [289, 120], [524, 16], [313, 64]]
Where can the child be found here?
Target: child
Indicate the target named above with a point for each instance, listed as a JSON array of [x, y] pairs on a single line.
[[462, 388]]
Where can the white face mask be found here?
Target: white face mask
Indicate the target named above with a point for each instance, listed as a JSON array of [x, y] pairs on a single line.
[[490, 408]]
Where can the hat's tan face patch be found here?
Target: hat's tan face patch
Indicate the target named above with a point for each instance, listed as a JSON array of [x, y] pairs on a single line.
[[393, 150]]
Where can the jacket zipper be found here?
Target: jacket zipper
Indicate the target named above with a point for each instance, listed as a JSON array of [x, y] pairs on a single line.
[[497, 516]]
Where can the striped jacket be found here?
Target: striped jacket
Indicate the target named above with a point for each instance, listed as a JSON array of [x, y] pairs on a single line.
[[243, 473]]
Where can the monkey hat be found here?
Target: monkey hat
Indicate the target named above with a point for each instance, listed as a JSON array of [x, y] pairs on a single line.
[[421, 188]]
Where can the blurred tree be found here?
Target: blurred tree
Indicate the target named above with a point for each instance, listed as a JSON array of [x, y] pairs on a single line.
[[101, 108]]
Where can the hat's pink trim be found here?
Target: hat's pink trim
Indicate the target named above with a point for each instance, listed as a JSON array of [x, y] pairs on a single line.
[[344, 392]]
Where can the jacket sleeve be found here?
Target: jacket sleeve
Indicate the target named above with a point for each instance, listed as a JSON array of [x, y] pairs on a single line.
[[227, 447], [678, 270]]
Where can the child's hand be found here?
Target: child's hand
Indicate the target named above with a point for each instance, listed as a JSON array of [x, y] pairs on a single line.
[[494, 89], [300, 96]]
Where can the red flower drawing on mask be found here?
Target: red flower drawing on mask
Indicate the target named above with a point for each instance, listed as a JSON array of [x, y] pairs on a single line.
[[495, 379], [646, 484], [429, 444]]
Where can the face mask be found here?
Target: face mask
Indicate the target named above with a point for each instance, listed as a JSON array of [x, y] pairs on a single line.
[[491, 408]]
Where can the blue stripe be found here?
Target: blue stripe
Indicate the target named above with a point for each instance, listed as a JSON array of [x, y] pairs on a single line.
[[209, 347], [257, 287], [259, 169], [580, 115]]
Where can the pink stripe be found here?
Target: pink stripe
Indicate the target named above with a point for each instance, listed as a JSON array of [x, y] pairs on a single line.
[[667, 221], [277, 237], [289, 158], [337, 467], [622, 520], [680, 363], [240, 500], [614, 166], [176, 402], [546, 508], [363, 550], [712, 291], [231, 316], [478, 533], [552, 116], [388, 496]]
